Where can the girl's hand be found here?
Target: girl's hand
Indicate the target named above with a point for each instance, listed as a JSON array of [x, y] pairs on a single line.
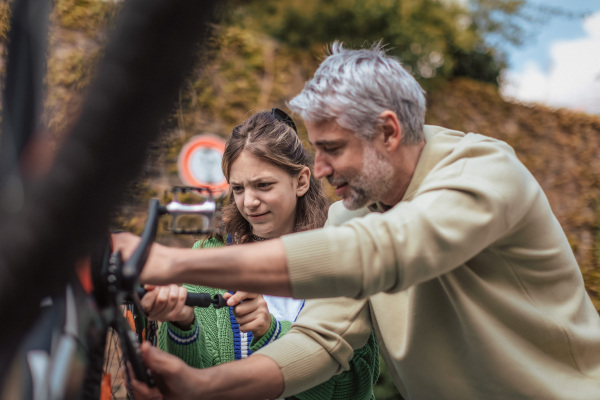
[[250, 311], [167, 303]]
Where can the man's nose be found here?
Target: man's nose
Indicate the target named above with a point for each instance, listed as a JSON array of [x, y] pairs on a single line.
[[322, 168]]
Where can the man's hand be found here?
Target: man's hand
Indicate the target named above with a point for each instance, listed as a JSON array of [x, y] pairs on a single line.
[[167, 303], [156, 270], [257, 377], [251, 312], [175, 379]]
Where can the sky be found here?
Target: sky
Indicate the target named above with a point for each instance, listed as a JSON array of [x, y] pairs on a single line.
[[559, 66]]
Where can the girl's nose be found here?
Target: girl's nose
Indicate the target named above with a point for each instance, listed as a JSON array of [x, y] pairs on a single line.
[[250, 200]]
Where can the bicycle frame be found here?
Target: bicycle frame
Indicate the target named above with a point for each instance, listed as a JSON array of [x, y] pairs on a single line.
[[117, 280]]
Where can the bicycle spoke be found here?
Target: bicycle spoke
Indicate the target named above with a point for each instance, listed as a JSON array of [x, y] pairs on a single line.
[[114, 361]]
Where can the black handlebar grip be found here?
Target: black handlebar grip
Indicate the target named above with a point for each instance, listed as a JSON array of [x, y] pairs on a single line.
[[205, 300], [219, 301], [196, 299]]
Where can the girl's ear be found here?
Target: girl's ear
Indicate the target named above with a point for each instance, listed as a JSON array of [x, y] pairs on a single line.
[[303, 182]]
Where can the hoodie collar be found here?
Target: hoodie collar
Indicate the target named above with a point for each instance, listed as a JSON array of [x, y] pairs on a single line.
[[439, 142]]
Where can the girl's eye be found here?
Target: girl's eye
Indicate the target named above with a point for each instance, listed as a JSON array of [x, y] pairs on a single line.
[[264, 185], [237, 189]]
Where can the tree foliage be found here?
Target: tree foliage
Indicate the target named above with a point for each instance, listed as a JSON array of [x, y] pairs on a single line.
[[433, 38]]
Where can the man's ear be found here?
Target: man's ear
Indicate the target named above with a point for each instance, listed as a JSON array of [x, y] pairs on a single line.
[[391, 129], [303, 182]]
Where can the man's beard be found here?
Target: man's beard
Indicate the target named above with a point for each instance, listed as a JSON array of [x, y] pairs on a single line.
[[374, 179]]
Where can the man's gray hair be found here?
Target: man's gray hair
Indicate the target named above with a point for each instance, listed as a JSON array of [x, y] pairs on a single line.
[[353, 87]]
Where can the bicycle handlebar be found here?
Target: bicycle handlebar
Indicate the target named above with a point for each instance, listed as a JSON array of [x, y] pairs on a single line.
[[121, 277], [196, 299]]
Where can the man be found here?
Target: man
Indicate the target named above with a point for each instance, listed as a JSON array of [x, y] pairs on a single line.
[[445, 241]]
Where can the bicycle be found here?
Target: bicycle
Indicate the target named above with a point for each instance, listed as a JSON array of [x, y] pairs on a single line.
[[104, 323], [118, 295], [55, 217]]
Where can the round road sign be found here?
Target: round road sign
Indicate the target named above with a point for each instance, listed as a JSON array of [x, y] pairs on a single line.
[[199, 162]]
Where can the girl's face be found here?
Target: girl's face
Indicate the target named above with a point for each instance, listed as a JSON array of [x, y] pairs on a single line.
[[266, 195]]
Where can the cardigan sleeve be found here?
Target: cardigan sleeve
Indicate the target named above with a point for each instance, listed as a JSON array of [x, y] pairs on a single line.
[[185, 344], [193, 345], [276, 330]]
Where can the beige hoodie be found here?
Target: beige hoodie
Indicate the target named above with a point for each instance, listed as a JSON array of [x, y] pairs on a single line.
[[469, 282]]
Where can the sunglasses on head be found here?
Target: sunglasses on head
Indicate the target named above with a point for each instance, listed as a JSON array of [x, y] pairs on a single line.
[[283, 117]]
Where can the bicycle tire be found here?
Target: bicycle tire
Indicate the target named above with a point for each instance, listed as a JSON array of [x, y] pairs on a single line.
[[107, 370], [115, 380]]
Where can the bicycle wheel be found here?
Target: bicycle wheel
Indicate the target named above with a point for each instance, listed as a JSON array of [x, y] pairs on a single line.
[[114, 377]]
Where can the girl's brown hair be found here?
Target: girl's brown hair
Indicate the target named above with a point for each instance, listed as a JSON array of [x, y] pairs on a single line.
[[272, 140]]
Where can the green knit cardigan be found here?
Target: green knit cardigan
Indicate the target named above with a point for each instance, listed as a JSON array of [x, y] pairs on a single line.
[[214, 338]]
